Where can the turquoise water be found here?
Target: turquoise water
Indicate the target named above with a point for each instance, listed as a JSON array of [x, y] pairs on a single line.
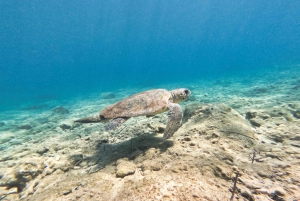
[[61, 50], [65, 60]]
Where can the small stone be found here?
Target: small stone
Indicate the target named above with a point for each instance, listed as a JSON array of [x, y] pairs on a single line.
[[251, 115], [297, 138], [83, 164], [277, 138], [215, 135], [195, 195], [13, 190], [57, 157], [263, 174], [77, 167], [235, 168], [95, 168], [66, 192], [125, 168], [251, 183], [42, 150], [257, 122], [278, 192], [214, 141], [296, 144], [187, 139], [104, 141]]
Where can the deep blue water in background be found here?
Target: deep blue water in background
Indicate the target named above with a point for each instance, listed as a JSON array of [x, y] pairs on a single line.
[[59, 49]]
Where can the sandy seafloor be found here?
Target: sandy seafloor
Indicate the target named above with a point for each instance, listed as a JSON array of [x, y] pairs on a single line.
[[247, 125]]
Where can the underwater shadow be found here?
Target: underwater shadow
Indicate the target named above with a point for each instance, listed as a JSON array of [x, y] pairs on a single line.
[[107, 154]]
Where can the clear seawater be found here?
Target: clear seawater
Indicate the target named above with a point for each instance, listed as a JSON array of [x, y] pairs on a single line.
[[61, 50]]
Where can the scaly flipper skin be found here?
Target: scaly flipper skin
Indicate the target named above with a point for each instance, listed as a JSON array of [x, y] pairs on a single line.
[[174, 119], [114, 123]]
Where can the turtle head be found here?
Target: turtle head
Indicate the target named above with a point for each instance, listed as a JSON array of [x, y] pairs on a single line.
[[179, 95]]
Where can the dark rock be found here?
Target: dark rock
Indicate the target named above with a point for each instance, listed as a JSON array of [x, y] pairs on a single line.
[[296, 113], [42, 150], [26, 126], [293, 105], [75, 158], [157, 127], [65, 126], [277, 137], [297, 138], [257, 122], [108, 95], [246, 194], [60, 110], [251, 114], [66, 192], [104, 141], [296, 144], [187, 139], [190, 110], [277, 195]]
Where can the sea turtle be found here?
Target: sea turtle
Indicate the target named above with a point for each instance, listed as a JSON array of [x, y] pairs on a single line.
[[147, 103]]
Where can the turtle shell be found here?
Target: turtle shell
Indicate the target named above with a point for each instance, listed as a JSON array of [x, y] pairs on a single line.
[[145, 103]]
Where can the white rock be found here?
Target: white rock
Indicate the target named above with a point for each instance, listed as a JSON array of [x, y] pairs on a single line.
[[57, 157]]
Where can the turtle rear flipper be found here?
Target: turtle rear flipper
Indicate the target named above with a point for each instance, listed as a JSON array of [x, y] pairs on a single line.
[[174, 119], [115, 123], [91, 119]]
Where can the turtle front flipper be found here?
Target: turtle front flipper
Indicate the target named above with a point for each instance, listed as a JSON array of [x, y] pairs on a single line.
[[115, 123], [174, 119]]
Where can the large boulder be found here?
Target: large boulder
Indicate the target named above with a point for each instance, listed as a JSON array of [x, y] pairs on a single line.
[[217, 121]]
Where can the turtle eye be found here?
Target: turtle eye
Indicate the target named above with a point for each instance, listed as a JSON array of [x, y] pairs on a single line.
[[186, 91]]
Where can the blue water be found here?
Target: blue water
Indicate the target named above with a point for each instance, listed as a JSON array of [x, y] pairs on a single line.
[[53, 50]]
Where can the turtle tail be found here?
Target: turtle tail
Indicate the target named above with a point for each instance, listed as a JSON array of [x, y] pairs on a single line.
[[91, 119]]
